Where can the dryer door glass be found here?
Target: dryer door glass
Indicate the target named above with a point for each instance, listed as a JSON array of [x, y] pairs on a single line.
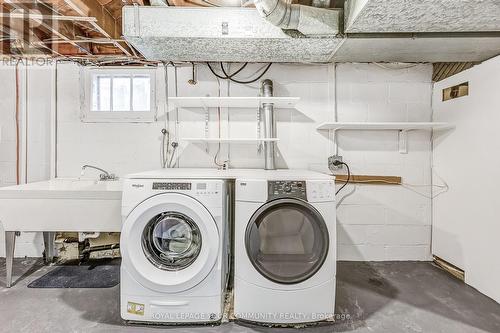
[[171, 241], [287, 240]]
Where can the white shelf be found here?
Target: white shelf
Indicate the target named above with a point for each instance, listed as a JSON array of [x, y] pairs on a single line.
[[400, 126], [228, 140], [232, 102]]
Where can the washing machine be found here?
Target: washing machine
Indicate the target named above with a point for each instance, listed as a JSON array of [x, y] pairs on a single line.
[[285, 248], [174, 245]]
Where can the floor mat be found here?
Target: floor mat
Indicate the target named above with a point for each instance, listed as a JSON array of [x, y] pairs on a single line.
[[100, 274]]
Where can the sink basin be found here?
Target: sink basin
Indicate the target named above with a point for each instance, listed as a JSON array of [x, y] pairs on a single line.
[[62, 204]]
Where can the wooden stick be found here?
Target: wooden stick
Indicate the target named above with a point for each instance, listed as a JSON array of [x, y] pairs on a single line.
[[364, 179]]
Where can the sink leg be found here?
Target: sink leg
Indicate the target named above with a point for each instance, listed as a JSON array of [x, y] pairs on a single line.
[[10, 242], [48, 240]]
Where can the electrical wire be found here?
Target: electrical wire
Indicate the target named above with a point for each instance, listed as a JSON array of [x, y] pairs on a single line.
[[210, 3], [396, 68], [230, 76], [216, 156], [348, 177], [164, 148], [174, 146], [214, 73], [166, 134], [245, 82], [239, 70]]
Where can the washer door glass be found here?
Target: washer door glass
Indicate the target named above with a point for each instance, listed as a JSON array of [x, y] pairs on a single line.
[[287, 240], [171, 241]]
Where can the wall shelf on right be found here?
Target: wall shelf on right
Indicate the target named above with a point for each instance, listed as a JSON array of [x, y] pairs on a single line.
[[402, 127]]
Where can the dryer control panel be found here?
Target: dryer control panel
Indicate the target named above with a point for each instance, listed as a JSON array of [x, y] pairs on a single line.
[[286, 189]]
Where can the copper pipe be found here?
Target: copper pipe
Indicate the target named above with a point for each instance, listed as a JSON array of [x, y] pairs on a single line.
[[17, 125]]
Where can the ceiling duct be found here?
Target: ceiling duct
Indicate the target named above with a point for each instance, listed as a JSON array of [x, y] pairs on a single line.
[[306, 19], [226, 34]]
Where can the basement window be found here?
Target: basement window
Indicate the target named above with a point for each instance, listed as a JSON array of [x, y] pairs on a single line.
[[119, 95]]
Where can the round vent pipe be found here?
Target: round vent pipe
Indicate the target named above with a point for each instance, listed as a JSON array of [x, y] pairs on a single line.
[[306, 19]]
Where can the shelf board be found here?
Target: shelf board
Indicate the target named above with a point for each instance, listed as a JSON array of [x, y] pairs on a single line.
[[401, 126], [228, 140], [232, 102]]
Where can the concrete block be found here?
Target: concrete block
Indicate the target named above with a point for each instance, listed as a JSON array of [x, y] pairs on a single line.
[[352, 112], [420, 111], [369, 92], [407, 235], [362, 214], [360, 252], [387, 112], [409, 92], [405, 253]]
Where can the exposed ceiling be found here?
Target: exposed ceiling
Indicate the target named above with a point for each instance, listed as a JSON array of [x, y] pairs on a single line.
[[442, 70], [82, 29], [68, 28], [376, 30]]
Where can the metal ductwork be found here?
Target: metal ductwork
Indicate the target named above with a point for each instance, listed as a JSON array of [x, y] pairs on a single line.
[[305, 19], [161, 3], [224, 34], [242, 35]]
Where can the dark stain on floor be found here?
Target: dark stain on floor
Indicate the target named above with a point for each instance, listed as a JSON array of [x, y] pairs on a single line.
[[371, 297]]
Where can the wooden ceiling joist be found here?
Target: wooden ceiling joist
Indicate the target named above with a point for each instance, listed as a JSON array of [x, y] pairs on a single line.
[[40, 17], [17, 36], [61, 29], [74, 28], [106, 24]]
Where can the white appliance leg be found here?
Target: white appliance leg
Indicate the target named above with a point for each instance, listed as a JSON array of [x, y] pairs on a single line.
[[48, 241], [10, 242]]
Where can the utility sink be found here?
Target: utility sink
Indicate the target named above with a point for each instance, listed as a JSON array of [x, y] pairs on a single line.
[[62, 204]]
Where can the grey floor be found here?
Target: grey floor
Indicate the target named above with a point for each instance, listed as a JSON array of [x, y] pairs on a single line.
[[377, 297]]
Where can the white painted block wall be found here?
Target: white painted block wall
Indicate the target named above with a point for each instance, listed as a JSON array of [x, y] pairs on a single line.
[[385, 222], [376, 222], [35, 99], [466, 226]]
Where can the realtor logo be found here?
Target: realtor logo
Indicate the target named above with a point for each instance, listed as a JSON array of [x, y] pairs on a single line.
[[22, 25]]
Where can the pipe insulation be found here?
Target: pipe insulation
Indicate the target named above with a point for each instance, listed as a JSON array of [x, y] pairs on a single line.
[[269, 125], [306, 19]]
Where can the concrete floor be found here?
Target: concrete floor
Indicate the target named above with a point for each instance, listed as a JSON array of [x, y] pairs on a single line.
[[378, 297]]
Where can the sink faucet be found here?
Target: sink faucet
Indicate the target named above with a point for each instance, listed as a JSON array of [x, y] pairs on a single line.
[[103, 176]]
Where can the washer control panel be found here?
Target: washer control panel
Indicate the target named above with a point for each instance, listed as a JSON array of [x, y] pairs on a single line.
[[286, 189], [172, 186]]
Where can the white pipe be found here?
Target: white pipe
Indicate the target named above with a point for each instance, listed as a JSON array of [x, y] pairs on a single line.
[[308, 20]]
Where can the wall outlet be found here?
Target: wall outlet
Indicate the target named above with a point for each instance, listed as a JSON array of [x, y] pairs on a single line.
[[333, 162]]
